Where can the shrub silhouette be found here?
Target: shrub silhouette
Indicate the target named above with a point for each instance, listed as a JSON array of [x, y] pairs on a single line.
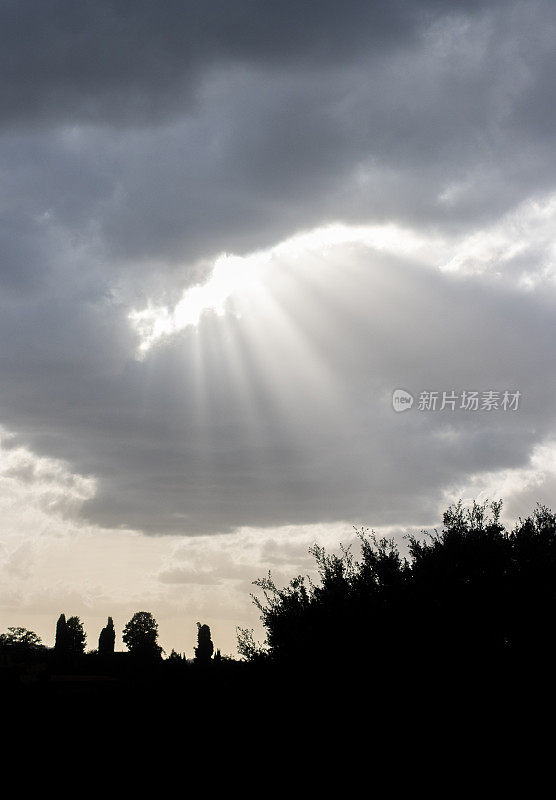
[[470, 591]]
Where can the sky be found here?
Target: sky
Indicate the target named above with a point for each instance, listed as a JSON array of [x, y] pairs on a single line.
[[229, 232]]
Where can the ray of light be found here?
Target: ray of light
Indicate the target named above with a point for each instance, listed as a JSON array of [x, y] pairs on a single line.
[[238, 277]]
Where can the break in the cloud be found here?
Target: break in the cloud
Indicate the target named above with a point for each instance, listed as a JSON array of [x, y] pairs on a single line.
[[228, 231]]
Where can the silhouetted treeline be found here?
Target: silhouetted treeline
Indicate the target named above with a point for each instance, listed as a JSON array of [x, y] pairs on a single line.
[[473, 593], [473, 600], [25, 661]]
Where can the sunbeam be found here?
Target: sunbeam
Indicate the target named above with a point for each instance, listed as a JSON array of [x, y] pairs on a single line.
[[240, 278]]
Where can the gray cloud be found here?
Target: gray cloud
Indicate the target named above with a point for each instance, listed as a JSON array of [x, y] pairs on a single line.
[[273, 146], [170, 459], [104, 61], [136, 147]]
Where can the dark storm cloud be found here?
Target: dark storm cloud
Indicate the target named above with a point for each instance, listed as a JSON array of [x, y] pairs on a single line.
[[265, 152], [138, 144], [107, 60]]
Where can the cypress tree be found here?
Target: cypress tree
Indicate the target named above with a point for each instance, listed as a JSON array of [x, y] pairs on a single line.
[[107, 639], [205, 647], [61, 643]]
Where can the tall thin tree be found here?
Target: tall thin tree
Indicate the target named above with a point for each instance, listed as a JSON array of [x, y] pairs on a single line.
[[205, 647], [61, 643], [107, 639]]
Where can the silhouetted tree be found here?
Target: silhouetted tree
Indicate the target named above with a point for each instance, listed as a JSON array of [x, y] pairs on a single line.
[[76, 636], [107, 639], [61, 643], [205, 647], [460, 595], [531, 630], [140, 635], [248, 648], [469, 592], [21, 639]]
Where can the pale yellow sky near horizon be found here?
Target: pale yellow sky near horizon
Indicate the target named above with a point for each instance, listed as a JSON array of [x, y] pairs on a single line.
[[52, 563]]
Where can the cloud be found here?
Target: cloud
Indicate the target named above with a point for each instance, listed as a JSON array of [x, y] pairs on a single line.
[[46, 487], [139, 151], [180, 576], [280, 412], [103, 62], [429, 128]]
